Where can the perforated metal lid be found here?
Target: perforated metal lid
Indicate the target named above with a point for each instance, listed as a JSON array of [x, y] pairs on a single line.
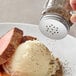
[[54, 27]]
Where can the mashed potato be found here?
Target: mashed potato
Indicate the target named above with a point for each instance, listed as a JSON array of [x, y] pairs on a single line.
[[32, 58]]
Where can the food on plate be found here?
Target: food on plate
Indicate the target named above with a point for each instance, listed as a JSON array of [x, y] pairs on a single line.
[[25, 38], [29, 58], [2, 73], [32, 58], [8, 44]]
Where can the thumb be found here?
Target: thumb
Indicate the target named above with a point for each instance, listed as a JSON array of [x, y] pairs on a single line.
[[73, 4], [73, 18]]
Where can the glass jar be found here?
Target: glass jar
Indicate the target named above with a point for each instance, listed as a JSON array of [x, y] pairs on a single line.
[[58, 7], [56, 12]]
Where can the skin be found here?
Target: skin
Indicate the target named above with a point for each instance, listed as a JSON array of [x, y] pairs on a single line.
[[73, 5]]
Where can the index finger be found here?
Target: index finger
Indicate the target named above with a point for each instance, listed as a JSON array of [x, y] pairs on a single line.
[[73, 4]]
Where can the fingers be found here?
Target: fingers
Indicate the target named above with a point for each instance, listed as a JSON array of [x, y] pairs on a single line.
[[73, 4], [73, 18]]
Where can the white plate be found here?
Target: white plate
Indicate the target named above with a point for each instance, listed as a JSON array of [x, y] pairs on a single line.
[[64, 49]]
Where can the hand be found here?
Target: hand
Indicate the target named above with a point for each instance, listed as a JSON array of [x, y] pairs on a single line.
[[73, 5]]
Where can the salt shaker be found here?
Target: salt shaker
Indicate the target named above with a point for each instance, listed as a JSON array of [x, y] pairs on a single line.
[[55, 20]]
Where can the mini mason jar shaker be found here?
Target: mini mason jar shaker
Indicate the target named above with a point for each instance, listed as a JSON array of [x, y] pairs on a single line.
[[55, 20]]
